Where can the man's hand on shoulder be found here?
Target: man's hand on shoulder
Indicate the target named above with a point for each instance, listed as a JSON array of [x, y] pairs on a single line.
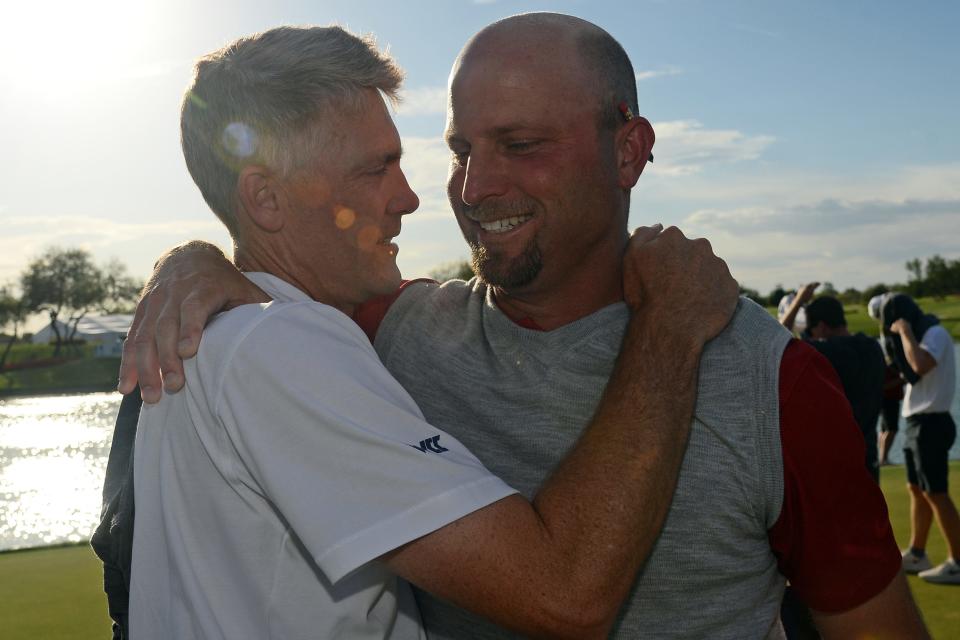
[[190, 283], [678, 286]]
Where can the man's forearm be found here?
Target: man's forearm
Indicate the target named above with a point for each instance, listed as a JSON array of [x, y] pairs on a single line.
[[790, 317], [563, 566], [605, 504], [918, 359]]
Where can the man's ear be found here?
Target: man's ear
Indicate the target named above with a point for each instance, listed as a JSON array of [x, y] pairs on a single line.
[[634, 143], [261, 198]]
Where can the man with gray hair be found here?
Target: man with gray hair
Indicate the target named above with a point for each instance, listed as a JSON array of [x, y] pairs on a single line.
[[284, 488]]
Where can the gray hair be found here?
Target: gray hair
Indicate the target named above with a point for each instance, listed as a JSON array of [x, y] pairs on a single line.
[[261, 100]]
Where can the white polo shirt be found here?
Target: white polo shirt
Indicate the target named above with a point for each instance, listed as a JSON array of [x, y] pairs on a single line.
[[934, 392], [288, 462]]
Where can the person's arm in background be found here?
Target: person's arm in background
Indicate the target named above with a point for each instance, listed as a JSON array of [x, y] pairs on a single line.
[[804, 295], [197, 282], [919, 359]]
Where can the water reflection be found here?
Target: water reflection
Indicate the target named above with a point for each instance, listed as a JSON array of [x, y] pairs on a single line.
[[53, 453]]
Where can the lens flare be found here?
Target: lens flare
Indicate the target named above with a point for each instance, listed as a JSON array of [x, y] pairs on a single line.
[[344, 218], [239, 140]]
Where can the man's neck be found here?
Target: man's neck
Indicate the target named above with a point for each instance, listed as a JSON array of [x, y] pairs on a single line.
[[248, 260], [555, 299], [550, 308]]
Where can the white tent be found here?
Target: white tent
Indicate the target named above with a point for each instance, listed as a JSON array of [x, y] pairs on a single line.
[[107, 332]]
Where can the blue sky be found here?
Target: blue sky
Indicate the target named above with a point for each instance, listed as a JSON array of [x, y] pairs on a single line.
[[807, 141]]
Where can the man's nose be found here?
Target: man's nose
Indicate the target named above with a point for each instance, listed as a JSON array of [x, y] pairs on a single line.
[[484, 177], [406, 200]]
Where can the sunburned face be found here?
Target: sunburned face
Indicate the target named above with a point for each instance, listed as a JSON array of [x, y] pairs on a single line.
[[530, 182]]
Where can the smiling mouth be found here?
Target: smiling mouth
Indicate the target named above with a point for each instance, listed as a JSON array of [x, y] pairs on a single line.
[[390, 246], [504, 224]]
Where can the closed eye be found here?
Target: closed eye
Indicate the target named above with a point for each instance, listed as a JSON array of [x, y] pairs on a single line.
[[522, 146]]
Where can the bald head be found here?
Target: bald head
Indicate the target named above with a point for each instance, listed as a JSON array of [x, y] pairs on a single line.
[[559, 45]]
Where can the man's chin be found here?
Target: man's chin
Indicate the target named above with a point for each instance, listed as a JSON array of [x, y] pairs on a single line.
[[506, 273]]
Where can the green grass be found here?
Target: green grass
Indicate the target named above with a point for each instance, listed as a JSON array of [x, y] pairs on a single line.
[[947, 309], [57, 593], [940, 605], [83, 374], [52, 594]]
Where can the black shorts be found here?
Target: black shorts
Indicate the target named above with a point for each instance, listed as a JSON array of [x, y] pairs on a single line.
[[929, 437], [890, 415]]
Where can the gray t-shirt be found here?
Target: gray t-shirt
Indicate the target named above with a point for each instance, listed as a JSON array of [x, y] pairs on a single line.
[[519, 398]]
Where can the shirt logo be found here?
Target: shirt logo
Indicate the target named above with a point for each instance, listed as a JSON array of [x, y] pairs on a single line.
[[430, 444]]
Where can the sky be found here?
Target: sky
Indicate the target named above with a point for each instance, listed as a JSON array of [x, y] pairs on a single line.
[[807, 141]]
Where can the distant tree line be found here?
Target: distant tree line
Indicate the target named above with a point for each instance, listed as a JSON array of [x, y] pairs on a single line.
[[66, 285], [938, 278]]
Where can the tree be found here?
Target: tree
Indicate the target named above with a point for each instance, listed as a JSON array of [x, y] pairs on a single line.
[[827, 289], [12, 313], [753, 294], [774, 298], [943, 277], [851, 295], [62, 281], [873, 290], [460, 270], [915, 285], [120, 291]]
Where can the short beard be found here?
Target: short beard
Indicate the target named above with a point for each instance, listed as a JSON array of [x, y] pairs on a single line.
[[497, 272]]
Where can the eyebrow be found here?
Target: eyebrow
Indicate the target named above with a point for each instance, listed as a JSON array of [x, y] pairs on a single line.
[[387, 157], [502, 130]]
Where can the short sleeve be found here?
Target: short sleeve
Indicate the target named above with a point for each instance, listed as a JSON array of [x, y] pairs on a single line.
[[324, 433], [936, 341], [833, 539]]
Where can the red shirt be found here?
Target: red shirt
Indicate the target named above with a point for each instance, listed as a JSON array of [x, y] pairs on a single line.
[[833, 539]]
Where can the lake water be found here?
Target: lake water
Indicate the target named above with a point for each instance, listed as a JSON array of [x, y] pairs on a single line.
[[53, 453]]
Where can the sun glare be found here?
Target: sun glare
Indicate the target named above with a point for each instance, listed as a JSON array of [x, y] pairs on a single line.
[[61, 47]]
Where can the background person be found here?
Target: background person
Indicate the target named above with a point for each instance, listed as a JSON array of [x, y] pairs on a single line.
[[928, 351], [858, 361]]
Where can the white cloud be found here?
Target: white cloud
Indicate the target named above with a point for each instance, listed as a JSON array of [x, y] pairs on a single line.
[[423, 101], [431, 235], [829, 213], [683, 147], [425, 163], [658, 73], [26, 237], [853, 231]]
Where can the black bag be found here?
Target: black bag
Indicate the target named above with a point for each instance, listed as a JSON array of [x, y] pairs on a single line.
[[113, 539]]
